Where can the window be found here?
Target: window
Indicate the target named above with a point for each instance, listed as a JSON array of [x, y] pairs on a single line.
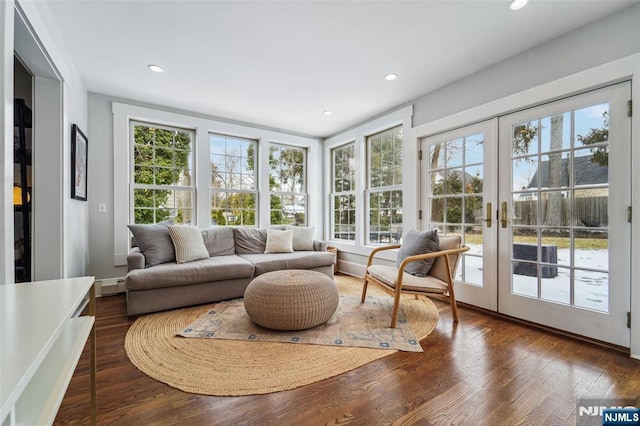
[[162, 173], [233, 187], [385, 186], [343, 195], [287, 185]]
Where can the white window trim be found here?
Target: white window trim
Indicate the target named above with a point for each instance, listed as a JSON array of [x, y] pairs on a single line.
[[333, 194], [409, 170], [124, 113], [255, 191], [304, 193], [371, 190], [134, 186]]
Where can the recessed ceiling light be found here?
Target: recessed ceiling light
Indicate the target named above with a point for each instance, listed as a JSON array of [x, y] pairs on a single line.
[[327, 112], [517, 4], [390, 76], [155, 68]]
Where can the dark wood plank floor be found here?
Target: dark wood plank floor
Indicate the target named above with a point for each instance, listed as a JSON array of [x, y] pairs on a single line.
[[482, 371]]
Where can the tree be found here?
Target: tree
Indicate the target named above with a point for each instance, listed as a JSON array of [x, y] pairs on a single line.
[[161, 157], [553, 211], [600, 154], [234, 206]]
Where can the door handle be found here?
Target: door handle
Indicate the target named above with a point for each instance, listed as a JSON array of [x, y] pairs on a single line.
[[487, 219], [503, 216]]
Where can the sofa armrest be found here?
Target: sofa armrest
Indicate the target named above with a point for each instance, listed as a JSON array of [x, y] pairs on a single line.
[[319, 245], [135, 259]]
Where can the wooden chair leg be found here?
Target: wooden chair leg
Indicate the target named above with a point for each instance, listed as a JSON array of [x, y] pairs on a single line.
[[452, 296], [364, 287], [396, 305]]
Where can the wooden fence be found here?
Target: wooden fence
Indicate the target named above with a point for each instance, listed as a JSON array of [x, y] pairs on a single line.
[[589, 211]]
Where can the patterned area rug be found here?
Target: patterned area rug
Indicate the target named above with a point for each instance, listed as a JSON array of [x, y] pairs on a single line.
[[358, 324], [237, 367]]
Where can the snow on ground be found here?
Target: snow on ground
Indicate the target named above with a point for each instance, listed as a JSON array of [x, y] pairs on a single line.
[[591, 288]]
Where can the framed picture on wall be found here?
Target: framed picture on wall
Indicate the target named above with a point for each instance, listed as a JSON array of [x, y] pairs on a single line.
[[79, 160]]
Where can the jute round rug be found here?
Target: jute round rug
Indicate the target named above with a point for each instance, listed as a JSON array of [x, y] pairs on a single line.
[[234, 368]]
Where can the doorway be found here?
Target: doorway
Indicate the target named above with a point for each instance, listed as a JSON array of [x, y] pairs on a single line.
[[545, 216]]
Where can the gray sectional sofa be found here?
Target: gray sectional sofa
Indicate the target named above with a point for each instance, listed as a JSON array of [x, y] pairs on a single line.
[[236, 256]]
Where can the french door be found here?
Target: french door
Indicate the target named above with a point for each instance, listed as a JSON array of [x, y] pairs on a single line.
[[543, 204], [565, 238], [461, 183]]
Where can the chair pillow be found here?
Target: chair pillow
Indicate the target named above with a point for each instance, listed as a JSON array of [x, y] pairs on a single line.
[[302, 237], [279, 241], [188, 243], [415, 243], [154, 242]]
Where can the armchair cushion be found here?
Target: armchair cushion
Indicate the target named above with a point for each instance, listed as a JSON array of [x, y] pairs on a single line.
[[389, 276], [415, 243]]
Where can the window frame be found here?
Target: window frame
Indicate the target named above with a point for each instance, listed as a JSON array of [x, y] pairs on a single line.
[[333, 194], [133, 186], [304, 193], [255, 191], [393, 237]]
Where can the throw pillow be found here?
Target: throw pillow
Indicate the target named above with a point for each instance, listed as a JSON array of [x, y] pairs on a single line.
[[188, 243], [279, 241], [414, 243], [154, 242], [249, 240], [302, 237]]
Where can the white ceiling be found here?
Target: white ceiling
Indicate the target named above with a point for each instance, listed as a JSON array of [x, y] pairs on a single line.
[[280, 64]]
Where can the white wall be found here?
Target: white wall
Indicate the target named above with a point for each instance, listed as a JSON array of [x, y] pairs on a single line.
[[109, 169], [70, 229], [6, 134], [605, 40]]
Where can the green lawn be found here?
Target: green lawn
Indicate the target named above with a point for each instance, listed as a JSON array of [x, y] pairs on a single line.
[[561, 242]]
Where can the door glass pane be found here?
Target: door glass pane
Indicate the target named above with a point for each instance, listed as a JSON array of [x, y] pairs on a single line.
[[525, 173], [456, 173], [591, 249], [555, 284], [592, 290], [525, 208], [557, 242], [560, 193], [525, 279]]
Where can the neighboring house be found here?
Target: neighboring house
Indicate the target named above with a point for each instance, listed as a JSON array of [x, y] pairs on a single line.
[[587, 173]]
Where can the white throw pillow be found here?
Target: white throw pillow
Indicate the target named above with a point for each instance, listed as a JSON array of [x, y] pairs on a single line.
[[279, 241], [188, 243], [302, 237]]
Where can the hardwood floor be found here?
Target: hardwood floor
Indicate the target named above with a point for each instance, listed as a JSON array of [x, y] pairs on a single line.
[[482, 371]]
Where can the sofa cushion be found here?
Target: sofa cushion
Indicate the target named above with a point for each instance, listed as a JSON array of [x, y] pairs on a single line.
[[217, 268], [279, 241], [219, 241], [302, 237], [268, 262], [154, 242], [250, 240], [188, 242]]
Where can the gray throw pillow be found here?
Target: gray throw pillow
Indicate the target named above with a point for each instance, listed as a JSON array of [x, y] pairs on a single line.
[[414, 243], [250, 240], [154, 242]]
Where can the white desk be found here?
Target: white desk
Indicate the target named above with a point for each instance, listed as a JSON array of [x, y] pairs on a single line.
[[40, 344]]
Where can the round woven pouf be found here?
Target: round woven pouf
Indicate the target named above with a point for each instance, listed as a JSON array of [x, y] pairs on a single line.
[[291, 299]]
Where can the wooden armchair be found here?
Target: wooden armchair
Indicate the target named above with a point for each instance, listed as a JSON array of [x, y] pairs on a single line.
[[439, 279]]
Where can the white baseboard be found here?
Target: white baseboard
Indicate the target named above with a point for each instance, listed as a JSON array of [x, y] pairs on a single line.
[[351, 268], [109, 286]]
